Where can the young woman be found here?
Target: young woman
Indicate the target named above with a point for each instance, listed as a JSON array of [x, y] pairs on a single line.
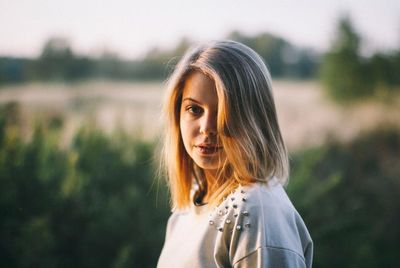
[[226, 164]]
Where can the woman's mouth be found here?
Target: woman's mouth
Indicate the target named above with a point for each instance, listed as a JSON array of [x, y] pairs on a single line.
[[208, 149]]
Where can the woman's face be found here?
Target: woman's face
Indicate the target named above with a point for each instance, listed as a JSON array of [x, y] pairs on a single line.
[[198, 122]]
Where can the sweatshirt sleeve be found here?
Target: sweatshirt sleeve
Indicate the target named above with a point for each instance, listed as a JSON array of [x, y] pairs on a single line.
[[270, 257], [264, 231]]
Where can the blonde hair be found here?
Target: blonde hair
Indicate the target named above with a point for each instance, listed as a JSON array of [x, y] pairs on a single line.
[[247, 123]]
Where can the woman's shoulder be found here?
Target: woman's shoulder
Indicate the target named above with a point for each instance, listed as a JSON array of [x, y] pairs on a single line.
[[261, 215], [258, 202], [267, 197]]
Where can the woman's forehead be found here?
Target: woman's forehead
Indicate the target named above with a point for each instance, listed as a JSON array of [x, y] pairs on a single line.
[[200, 88]]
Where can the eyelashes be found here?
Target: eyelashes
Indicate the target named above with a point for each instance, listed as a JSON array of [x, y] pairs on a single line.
[[194, 109]]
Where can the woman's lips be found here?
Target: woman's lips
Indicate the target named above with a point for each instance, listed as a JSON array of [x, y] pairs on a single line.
[[208, 149]]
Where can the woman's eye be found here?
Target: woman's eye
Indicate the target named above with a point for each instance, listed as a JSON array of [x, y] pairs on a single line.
[[195, 110]]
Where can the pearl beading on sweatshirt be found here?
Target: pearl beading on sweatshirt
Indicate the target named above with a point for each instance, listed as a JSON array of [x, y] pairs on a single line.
[[231, 214]]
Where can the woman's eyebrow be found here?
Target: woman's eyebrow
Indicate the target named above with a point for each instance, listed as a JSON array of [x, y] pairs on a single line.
[[191, 99]]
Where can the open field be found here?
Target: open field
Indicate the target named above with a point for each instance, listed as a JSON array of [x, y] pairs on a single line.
[[307, 118]]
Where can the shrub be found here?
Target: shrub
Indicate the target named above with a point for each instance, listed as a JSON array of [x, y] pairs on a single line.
[[93, 205], [348, 197]]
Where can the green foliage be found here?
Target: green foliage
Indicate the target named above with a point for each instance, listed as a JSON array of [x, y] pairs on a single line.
[[58, 62], [93, 205], [348, 76], [283, 59], [348, 197], [16, 70], [384, 70], [343, 72]]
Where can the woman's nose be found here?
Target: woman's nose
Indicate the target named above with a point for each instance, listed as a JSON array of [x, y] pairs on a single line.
[[208, 125]]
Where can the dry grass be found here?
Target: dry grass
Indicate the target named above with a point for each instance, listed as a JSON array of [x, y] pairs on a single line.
[[307, 118]]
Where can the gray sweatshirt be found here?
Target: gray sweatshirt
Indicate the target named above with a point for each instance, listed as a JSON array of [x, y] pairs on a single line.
[[255, 226]]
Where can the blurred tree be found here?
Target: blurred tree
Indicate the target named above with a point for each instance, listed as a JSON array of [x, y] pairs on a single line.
[[55, 58], [57, 47], [108, 66], [160, 63], [58, 62], [307, 64], [270, 48], [343, 71], [283, 59], [12, 70], [384, 69]]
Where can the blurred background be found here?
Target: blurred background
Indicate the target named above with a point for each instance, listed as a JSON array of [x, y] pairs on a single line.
[[81, 84]]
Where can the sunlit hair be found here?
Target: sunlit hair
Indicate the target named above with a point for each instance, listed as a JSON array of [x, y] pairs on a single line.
[[247, 124]]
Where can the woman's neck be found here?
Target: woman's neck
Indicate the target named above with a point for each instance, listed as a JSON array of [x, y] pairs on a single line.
[[211, 178]]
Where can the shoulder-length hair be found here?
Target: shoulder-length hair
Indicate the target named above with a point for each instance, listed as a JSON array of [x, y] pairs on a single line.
[[247, 123]]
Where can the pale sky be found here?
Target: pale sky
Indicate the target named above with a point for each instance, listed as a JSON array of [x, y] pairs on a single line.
[[130, 27]]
